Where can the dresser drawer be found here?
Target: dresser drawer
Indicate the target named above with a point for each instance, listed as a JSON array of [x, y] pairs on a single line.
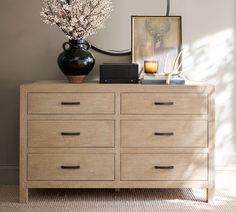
[[184, 167], [163, 103], [42, 133], [70, 167], [191, 133], [71, 103]]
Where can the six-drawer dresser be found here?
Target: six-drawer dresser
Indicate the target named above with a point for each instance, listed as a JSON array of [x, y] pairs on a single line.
[[93, 135]]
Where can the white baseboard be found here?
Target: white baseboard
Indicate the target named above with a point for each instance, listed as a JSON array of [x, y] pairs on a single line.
[[225, 170]]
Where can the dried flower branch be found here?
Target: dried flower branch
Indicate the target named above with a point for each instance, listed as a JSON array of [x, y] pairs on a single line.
[[76, 18]]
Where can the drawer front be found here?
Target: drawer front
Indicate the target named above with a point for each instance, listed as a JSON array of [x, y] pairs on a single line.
[[164, 133], [71, 103], [70, 167], [151, 167], [163, 103], [81, 133]]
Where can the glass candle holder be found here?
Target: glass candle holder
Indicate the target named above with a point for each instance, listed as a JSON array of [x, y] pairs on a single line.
[[150, 67]]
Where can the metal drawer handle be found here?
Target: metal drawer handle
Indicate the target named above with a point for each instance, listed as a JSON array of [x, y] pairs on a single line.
[[70, 167], [70, 103], [164, 167], [70, 133], [164, 134], [164, 103]]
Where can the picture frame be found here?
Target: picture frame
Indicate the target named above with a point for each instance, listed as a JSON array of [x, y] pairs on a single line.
[[156, 38]]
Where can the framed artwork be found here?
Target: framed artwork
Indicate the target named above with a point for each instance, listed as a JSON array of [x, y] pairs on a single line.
[[156, 38]]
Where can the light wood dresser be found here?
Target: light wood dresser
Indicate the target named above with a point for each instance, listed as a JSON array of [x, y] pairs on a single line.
[[94, 135]]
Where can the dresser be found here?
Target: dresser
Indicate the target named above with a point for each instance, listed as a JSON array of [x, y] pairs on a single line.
[[93, 135]]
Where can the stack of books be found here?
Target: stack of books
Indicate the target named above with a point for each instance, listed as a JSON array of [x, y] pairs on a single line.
[[161, 80]]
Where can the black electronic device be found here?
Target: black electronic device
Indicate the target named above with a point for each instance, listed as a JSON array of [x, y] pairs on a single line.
[[119, 73]]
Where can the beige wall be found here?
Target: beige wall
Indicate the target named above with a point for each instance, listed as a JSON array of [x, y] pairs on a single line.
[[29, 49]]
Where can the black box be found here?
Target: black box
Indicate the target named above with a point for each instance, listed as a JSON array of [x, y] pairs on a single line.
[[119, 73]]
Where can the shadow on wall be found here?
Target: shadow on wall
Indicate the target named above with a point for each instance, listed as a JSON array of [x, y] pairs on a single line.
[[29, 49], [213, 60]]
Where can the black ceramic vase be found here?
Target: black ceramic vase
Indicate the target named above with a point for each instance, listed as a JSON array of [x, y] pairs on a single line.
[[76, 61]]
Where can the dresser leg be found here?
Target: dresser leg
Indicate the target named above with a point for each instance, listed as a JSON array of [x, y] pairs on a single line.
[[23, 195], [210, 195]]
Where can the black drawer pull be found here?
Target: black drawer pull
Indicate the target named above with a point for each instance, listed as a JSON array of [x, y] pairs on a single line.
[[164, 103], [164, 134], [70, 133], [70, 167], [70, 103], [164, 167]]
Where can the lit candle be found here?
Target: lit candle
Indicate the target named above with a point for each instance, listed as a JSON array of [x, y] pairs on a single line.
[[150, 67]]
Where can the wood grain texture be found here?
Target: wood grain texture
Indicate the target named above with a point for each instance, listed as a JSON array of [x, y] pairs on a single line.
[[116, 122], [63, 86], [211, 147], [113, 116], [45, 133], [117, 140], [90, 103], [163, 150], [23, 190], [92, 167], [144, 103], [141, 167], [119, 184], [146, 133], [70, 150]]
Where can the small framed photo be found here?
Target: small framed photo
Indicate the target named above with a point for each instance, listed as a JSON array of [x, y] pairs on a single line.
[[156, 38]]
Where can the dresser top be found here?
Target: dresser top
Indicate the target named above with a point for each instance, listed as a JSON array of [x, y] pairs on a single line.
[[64, 86]]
